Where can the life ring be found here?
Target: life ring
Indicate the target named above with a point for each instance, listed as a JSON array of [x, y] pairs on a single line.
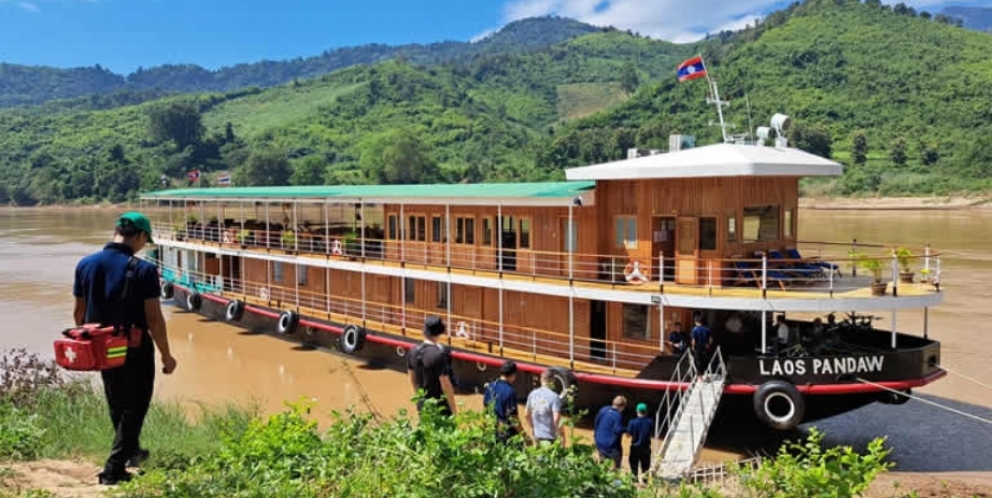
[[228, 237], [235, 310], [779, 405], [263, 293], [193, 301], [480, 366], [336, 248], [564, 382], [400, 351], [287, 323], [634, 274], [167, 290], [462, 331], [352, 339]]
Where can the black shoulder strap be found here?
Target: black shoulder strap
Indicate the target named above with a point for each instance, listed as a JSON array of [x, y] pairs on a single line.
[[132, 266]]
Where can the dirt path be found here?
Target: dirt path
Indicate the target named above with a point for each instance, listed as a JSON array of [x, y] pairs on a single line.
[[67, 479]]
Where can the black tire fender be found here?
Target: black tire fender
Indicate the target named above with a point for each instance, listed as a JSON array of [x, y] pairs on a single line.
[[235, 310], [352, 339], [287, 323], [193, 301], [779, 405], [167, 290], [566, 384]]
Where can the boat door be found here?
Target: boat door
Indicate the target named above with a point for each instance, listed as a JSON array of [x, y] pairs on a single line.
[[687, 253], [597, 330], [232, 273], [568, 244], [663, 243], [508, 237]]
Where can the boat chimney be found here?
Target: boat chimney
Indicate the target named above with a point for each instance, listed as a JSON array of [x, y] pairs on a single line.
[[634, 153]]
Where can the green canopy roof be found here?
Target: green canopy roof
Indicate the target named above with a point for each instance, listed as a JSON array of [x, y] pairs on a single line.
[[536, 191]]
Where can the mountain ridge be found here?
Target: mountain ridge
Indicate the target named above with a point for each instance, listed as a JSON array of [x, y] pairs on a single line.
[[977, 18]]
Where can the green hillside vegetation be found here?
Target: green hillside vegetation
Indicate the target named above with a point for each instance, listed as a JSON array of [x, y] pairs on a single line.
[[911, 91]]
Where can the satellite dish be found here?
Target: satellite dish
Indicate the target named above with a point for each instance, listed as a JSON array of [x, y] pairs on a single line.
[[763, 133], [781, 123]]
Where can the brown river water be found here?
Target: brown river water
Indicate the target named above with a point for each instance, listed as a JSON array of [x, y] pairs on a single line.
[[218, 364]]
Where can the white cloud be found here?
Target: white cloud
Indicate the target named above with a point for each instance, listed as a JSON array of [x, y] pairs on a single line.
[[29, 7], [674, 20]]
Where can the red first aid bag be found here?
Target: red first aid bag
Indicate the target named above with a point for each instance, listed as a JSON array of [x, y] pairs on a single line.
[[92, 347]]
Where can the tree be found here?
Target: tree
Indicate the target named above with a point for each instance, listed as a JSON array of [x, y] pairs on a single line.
[[629, 80], [812, 139], [897, 152], [398, 157], [859, 147], [929, 153], [179, 122], [265, 167], [310, 170]]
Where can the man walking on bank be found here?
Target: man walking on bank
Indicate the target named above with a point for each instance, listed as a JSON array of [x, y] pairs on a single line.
[[430, 370], [115, 288], [502, 399], [608, 431]]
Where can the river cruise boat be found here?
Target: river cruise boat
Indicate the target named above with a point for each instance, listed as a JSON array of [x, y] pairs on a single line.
[[587, 277]]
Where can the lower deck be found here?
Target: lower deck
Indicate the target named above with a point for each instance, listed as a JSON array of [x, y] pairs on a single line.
[[599, 337]]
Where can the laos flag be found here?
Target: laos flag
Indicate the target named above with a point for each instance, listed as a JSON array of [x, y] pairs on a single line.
[[692, 69]]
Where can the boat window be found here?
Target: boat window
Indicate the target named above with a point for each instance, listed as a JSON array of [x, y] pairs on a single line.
[[277, 271], [626, 231], [731, 227], [409, 297], [392, 227], [487, 231], [301, 275], [636, 321], [465, 230], [436, 229], [418, 228], [787, 224], [525, 233], [442, 295], [760, 223], [707, 234]]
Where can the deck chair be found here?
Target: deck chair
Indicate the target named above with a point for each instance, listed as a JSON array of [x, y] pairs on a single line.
[[798, 267], [825, 265], [748, 274]]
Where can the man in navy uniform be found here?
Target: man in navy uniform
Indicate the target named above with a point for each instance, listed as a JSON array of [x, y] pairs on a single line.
[[114, 287], [502, 399]]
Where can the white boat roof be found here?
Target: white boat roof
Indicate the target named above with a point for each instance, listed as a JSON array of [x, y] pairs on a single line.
[[721, 160]]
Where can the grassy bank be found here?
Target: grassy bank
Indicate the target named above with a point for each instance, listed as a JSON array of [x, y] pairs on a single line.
[[233, 453]]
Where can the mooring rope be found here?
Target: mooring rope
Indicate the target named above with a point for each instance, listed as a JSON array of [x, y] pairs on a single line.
[[362, 393], [938, 405], [963, 376]]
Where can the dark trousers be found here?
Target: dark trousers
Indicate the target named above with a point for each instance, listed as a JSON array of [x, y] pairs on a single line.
[[640, 460], [129, 393], [702, 358], [613, 454]]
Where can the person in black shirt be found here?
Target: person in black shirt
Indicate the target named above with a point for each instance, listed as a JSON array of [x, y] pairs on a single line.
[[640, 430], [115, 288], [502, 399], [430, 369]]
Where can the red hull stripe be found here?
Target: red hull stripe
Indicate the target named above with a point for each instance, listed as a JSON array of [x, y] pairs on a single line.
[[654, 385]]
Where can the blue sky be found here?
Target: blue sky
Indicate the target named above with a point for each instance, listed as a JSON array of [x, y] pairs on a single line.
[[125, 34]]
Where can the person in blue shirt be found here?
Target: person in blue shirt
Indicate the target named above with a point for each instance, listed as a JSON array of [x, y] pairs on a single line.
[[115, 288], [640, 430], [677, 340], [608, 431], [502, 399], [702, 339]]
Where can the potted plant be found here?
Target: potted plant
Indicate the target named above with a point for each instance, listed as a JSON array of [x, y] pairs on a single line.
[[925, 275], [242, 236], [288, 239], [906, 273], [352, 247], [875, 267], [179, 231]]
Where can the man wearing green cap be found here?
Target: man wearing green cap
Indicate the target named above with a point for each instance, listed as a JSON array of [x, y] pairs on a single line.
[[114, 287], [640, 430]]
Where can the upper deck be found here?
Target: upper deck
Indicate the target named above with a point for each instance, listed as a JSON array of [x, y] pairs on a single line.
[[713, 227]]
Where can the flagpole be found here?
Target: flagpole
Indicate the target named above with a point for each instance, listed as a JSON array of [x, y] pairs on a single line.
[[716, 100]]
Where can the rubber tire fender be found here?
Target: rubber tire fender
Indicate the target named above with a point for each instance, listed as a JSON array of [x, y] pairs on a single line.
[[193, 301], [568, 381], [167, 290], [235, 311], [287, 323], [774, 389], [352, 339]]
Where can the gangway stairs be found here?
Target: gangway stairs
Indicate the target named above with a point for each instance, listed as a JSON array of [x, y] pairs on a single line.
[[688, 415]]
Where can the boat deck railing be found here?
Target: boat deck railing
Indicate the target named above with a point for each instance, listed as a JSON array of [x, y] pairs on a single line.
[[809, 269], [523, 343]]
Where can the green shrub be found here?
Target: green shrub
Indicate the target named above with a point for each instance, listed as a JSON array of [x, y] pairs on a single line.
[[20, 433]]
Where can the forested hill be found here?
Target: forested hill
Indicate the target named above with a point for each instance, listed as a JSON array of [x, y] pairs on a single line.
[[979, 18], [900, 97], [25, 85]]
